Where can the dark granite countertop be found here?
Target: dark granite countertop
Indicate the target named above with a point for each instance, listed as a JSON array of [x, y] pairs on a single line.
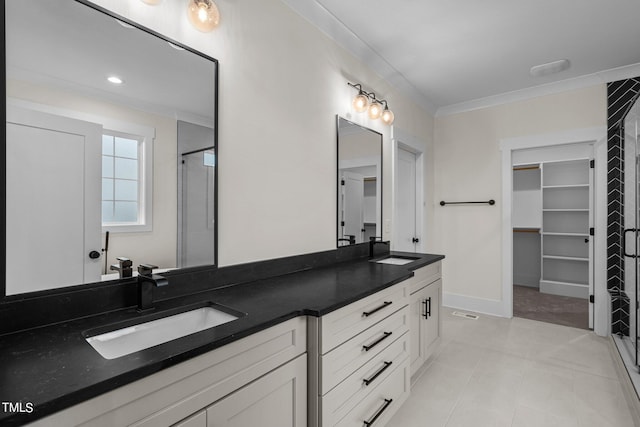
[[53, 367]]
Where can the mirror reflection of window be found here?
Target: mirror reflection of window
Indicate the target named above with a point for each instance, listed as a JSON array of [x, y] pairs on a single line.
[[121, 183]]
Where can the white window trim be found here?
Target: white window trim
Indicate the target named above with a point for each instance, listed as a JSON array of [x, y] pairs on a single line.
[[145, 177], [113, 125]]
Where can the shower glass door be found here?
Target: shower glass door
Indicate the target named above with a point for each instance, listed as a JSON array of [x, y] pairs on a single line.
[[632, 222]]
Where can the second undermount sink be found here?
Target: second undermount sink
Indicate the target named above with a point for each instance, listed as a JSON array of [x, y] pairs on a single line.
[[396, 260], [129, 339]]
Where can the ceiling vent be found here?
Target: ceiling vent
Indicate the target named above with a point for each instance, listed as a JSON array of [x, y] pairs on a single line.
[[549, 68]]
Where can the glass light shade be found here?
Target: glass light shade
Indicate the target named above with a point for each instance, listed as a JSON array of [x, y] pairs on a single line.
[[387, 116], [360, 103], [375, 110], [203, 14]]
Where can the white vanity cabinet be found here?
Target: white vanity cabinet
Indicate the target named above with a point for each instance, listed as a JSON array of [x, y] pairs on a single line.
[[258, 380], [359, 372], [425, 322]]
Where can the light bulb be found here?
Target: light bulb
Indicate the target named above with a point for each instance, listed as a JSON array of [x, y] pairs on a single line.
[[203, 14], [387, 116], [151, 2], [360, 102], [375, 110]]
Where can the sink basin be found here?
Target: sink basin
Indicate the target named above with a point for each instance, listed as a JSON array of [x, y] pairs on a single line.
[[396, 260], [131, 338]]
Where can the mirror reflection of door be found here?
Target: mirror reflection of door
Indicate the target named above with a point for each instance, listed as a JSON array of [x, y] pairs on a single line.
[[53, 201], [351, 212]]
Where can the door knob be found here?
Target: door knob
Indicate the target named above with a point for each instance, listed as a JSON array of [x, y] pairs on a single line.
[[94, 254]]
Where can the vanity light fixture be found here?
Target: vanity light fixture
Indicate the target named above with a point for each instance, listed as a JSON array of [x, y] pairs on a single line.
[[367, 101], [203, 14]]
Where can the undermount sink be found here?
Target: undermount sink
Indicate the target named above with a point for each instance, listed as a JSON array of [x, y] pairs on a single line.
[[396, 260], [131, 338]]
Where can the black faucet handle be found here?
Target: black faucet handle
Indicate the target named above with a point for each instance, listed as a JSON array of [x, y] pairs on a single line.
[[124, 262], [146, 269]]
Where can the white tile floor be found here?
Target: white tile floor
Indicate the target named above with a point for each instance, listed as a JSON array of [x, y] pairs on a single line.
[[516, 372]]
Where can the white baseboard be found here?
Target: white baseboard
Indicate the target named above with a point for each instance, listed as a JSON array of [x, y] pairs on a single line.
[[564, 289], [478, 305]]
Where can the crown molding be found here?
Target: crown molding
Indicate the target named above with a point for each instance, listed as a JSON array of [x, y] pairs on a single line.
[[326, 22], [601, 77]]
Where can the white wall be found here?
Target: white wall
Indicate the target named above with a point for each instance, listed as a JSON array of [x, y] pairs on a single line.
[[468, 167], [281, 84]]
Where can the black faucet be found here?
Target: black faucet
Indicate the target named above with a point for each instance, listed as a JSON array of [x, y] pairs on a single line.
[[146, 282], [123, 267], [372, 241], [348, 238]]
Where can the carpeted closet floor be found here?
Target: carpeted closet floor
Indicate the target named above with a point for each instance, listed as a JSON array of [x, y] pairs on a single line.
[[529, 303]]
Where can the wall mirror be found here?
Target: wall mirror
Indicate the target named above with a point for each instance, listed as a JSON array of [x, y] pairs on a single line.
[[111, 130], [359, 183]]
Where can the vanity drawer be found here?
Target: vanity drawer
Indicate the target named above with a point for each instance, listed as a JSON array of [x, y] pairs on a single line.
[[349, 394], [348, 357], [347, 322], [383, 401], [425, 276]]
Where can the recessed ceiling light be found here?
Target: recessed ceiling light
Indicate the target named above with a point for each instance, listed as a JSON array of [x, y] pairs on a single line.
[[549, 68], [124, 24], [115, 80], [175, 46]]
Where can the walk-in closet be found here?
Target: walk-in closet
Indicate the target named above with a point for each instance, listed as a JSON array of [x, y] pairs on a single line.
[[552, 234]]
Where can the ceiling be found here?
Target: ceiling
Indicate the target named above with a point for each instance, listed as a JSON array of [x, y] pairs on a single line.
[[74, 48], [458, 54]]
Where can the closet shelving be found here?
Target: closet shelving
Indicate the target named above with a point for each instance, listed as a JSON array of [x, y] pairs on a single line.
[[551, 223], [566, 202]]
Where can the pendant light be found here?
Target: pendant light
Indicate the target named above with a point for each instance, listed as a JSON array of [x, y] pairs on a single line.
[[203, 14]]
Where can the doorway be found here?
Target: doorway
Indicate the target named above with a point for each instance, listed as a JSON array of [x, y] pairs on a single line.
[[595, 136], [552, 244]]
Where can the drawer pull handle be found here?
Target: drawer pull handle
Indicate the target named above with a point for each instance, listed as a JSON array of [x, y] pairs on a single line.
[[376, 342], [377, 374], [387, 402], [369, 313]]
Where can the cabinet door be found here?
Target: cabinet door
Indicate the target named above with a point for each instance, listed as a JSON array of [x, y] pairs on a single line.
[[278, 399], [431, 324], [416, 329]]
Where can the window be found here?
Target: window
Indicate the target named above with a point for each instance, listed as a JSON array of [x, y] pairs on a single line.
[[125, 183]]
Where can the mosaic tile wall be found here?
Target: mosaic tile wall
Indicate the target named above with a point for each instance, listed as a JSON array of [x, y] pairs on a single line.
[[620, 97]]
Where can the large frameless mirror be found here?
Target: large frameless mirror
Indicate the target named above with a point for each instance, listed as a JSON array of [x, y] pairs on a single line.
[[110, 148], [359, 216]]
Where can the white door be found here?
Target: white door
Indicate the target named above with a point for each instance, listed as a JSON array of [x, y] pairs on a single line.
[[53, 201], [352, 212], [407, 239]]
